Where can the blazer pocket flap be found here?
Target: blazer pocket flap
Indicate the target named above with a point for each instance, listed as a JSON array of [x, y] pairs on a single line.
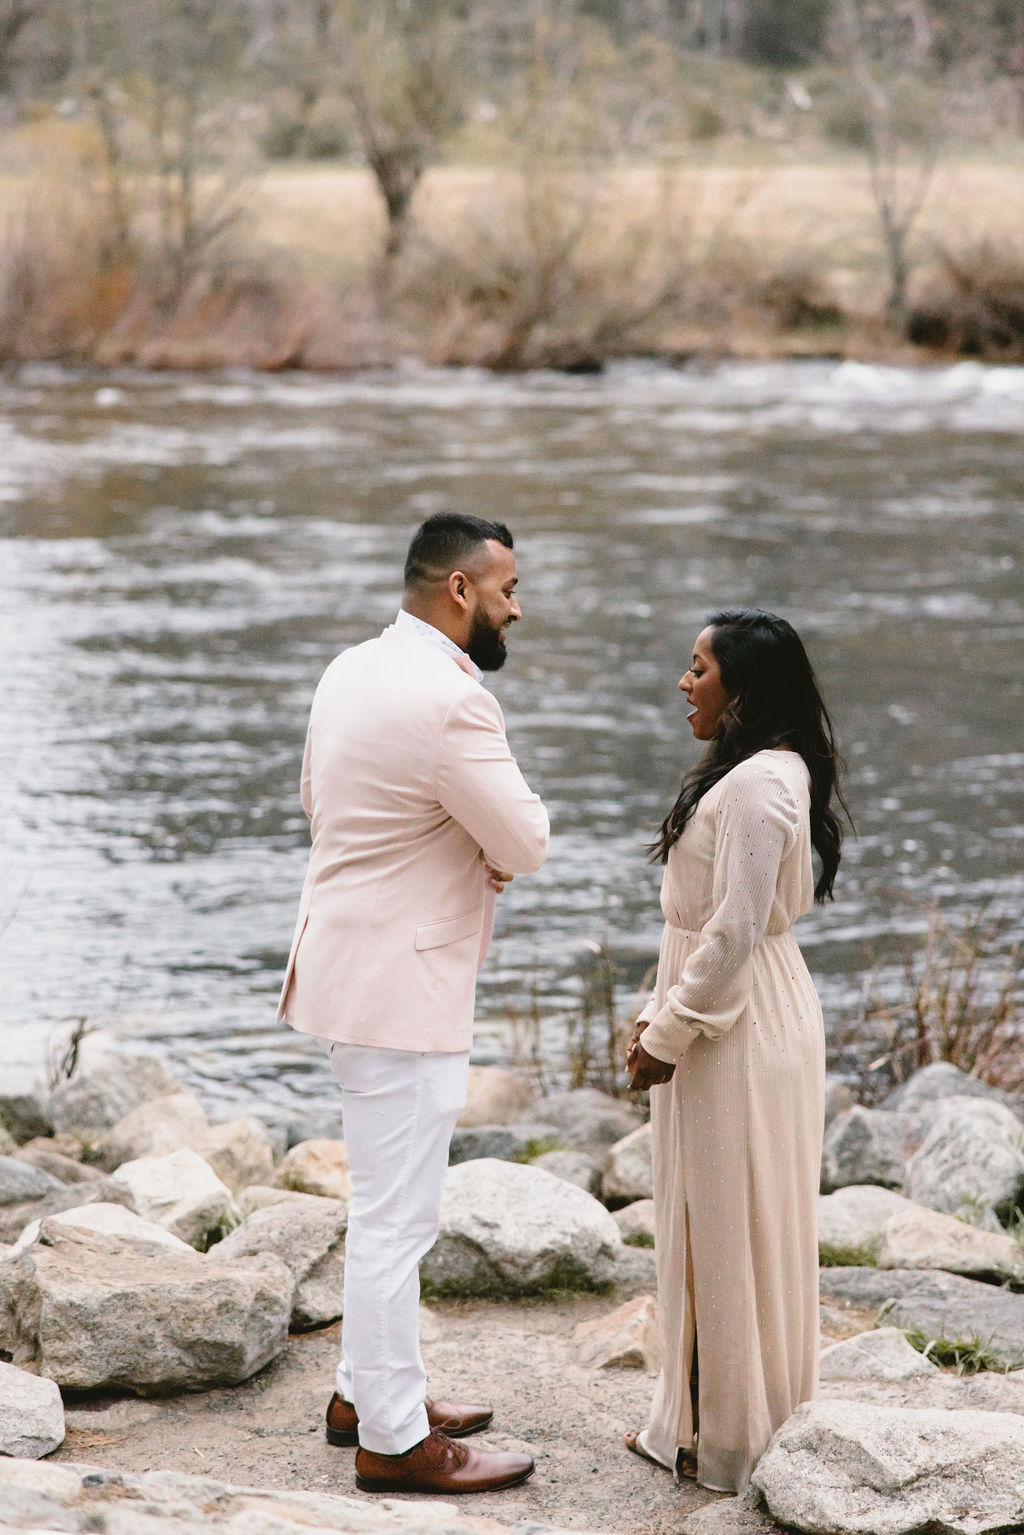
[[431, 935]]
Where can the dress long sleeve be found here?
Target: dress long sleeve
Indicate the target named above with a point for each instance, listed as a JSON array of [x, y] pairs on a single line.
[[756, 825]]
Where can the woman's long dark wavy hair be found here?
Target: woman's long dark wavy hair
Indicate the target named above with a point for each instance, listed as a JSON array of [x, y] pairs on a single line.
[[778, 703]]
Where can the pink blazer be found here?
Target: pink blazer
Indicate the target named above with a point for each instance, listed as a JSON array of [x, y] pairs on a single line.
[[410, 786]]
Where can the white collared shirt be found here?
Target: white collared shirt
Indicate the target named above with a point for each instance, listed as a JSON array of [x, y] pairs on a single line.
[[406, 623]]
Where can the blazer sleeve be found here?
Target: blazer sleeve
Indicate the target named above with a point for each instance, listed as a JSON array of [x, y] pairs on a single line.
[[479, 784], [757, 824]]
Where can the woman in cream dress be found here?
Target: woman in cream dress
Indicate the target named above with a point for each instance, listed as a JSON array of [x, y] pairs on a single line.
[[732, 1046]]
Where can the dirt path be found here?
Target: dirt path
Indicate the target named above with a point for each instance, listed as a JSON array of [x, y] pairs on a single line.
[[269, 1432]]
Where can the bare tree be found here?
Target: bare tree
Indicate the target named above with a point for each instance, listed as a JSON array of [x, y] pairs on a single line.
[[401, 67], [885, 46], [152, 73]]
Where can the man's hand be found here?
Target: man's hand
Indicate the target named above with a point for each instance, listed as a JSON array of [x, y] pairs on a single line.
[[645, 1070], [497, 880]]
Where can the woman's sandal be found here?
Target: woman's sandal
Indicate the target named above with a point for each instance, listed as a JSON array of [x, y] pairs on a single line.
[[686, 1460]]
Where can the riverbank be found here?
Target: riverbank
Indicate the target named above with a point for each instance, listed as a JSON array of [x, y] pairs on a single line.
[[742, 257], [227, 1262]]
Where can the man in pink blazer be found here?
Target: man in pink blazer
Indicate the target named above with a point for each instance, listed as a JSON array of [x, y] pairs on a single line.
[[419, 815]]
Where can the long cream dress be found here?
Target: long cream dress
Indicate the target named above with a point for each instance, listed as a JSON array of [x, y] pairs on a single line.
[[738, 1130]]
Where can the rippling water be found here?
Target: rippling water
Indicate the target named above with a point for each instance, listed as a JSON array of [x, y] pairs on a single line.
[[181, 556]]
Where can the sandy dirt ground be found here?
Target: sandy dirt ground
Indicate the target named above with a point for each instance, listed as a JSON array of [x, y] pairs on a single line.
[[269, 1431]]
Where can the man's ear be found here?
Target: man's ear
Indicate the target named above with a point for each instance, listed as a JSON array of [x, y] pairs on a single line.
[[458, 588]]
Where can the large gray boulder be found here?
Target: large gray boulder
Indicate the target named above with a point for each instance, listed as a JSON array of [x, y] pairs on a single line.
[[105, 1090], [14, 1218], [589, 1120], [883, 1354], [20, 1182], [574, 1166], [938, 1305], [240, 1151], [935, 1083], [180, 1192], [307, 1233], [111, 1220], [863, 1146], [31, 1415], [627, 1173], [508, 1229], [65, 1169], [507, 1143], [152, 1130], [869, 1225], [971, 1162], [921, 1238], [851, 1223], [853, 1468], [636, 1222], [82, 1499], [181, 1321]]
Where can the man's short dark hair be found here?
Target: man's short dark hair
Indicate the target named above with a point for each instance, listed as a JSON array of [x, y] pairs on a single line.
[[441, 544]]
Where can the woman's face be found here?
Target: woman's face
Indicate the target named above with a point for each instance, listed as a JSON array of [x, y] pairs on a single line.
[[705, 694]]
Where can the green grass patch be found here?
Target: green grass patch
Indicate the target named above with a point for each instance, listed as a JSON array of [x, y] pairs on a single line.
[[859, 1257], [967, 1356], [638, 1239]]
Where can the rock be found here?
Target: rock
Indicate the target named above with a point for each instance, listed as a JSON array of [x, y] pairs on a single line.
[[838, 1098], [181, 1322], [625, 1339], [626, 1175], [575, 1167], [98, 1095], [317, 1167], [24, 1106], [863, 1146], [504, 1143], [258, 1195], [31, 1414], [589, 1120], [636, 1223], [971, 1161], [112, 1220], [180, 1192], [852, 1468], [65, 1169], [852, 1220], [883, 1354], [19, 1182], [939, 1305], [731, 1516], [240, 1152], [508, 1229], [15, 1218], [307, 1233], [80, 1499], [921, 1238], [152, 1130], [939, 1081], [8, 1145], [868, 1225], [495, 1096], [636, 1272]]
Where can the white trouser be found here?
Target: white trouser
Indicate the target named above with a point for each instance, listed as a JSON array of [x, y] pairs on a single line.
[[399, 1109]]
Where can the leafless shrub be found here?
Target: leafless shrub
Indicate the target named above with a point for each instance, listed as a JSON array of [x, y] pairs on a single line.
[[975, 306], [958, 997]]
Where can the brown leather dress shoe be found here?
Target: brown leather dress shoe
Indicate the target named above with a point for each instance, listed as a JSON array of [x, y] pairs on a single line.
[[457, 1419], [438, 1464]]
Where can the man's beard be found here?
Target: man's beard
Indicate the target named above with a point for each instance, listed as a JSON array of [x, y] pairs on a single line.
[[486, 645]]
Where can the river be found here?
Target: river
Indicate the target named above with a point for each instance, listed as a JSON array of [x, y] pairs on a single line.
[[181, 555]]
